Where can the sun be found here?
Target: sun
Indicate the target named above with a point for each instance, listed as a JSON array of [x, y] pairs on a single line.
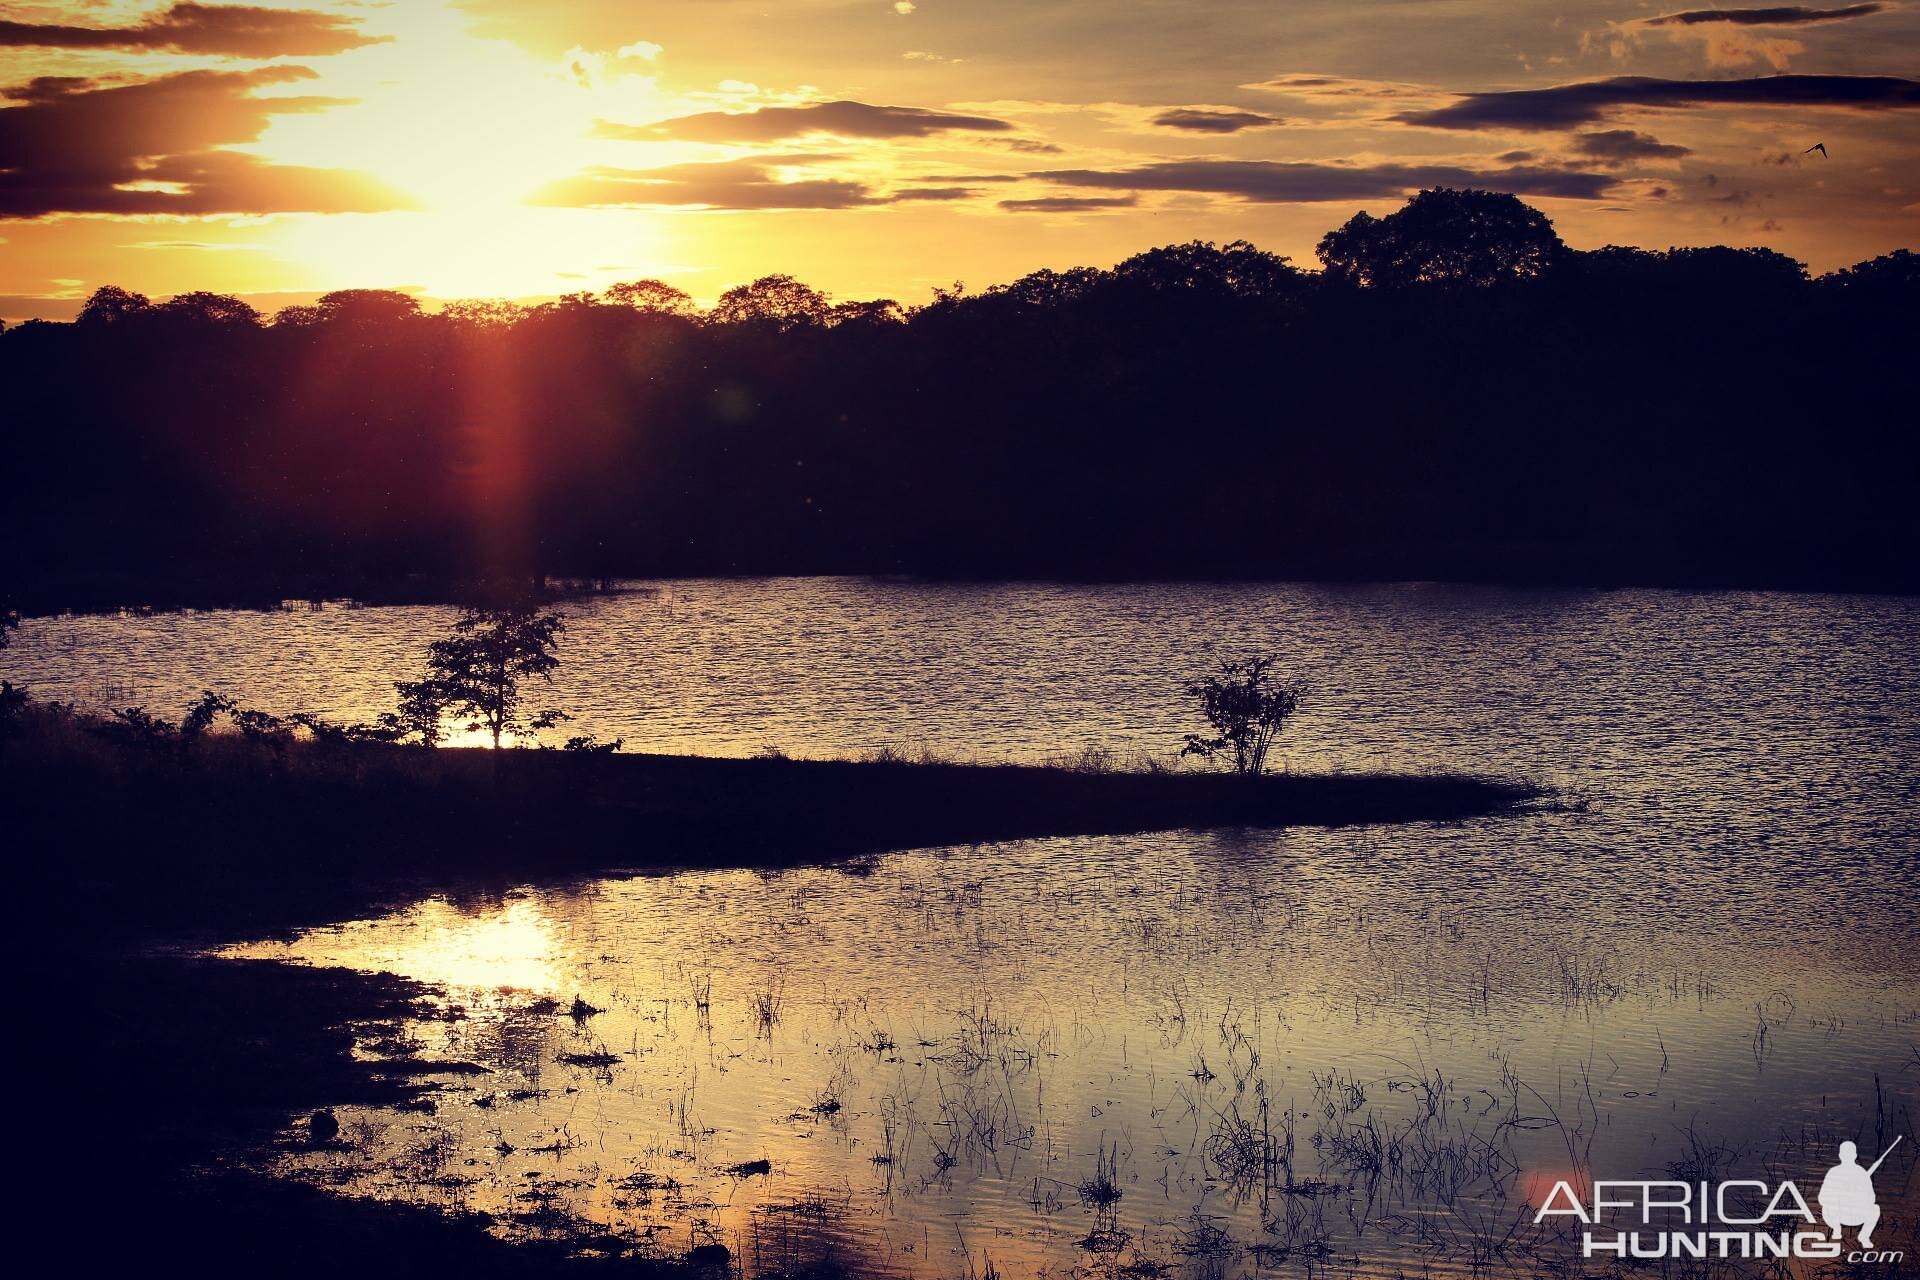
[[468, 128], [451, 119]]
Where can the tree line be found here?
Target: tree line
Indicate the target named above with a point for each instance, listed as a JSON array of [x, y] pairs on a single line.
[[1455, 393]]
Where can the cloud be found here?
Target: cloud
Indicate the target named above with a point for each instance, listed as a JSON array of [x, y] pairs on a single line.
[[241, 31], [1069, 204], [152, 147], [1782, 16], [1335, 87], [1202, 120], [1569, 105], [1341, 94], [772, 124], [751, 183], [1290, 182], [644, 50], [933, 193], [1618, 146], [1729, 37], [903, 7], [205, 246]]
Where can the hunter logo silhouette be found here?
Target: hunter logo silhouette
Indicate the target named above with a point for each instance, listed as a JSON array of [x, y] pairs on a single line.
[[1846, 1194]]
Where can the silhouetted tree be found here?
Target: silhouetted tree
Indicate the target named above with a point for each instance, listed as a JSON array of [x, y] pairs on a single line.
[[483, 313], [1891, 276], [879, 311], [367, 308], [1443, 236], [1233, 270], [653, 296], [1718, 271], [209, 309], [480, 669], [780, 302], [421, 710], [110, 304], [1049, 288], [1608, 416], [201, 715], [1247, 706]]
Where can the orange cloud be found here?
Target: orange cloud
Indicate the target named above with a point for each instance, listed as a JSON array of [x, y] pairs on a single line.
[[772, 124]]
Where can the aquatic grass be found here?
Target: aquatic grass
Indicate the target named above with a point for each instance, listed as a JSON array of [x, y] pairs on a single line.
[[1247, 1149], [699, 986], [766, 1003], [1101, 1190]]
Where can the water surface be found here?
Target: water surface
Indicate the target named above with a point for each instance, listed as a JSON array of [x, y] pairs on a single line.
[[1242, 1052]]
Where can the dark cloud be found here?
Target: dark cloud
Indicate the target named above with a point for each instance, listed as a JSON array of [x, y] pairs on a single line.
[[753, 182], [1031, 146], [1280, 182], [771, 124], [242, 31], [1792, 15], [1619, 146], [1200, 120], [725, 184], [1335, 88], [78, 146], [1068, 204], [933, 193], [1570, 105]]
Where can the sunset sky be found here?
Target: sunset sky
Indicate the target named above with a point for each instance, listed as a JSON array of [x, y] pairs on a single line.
[[524, 148]]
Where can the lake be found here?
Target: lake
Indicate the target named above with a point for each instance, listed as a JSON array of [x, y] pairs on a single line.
[[1364, 1051]]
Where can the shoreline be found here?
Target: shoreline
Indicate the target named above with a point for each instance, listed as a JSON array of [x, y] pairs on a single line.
[[88, 595], [241, 837]]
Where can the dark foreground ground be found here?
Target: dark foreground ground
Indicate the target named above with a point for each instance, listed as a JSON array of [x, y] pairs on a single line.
[[172, 1077]]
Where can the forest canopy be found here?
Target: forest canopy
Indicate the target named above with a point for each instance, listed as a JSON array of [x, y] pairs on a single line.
[[1455, 393]]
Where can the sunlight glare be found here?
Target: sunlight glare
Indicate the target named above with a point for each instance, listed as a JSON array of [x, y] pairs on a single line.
[[468, 127], [512, 947]]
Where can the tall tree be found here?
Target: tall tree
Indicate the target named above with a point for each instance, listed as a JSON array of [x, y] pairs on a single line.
[[1442, 236], [479, 671]]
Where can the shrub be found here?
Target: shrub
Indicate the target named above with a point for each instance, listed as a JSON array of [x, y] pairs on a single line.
[[1246, 705]]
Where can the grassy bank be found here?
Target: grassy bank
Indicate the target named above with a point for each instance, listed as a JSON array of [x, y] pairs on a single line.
[[226, 836]]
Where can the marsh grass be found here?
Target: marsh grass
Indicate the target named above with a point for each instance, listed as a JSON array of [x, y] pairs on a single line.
[[766, 1002], [1101, 1189]]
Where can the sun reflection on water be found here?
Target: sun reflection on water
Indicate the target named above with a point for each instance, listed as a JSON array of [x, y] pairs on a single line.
[[511, 946]]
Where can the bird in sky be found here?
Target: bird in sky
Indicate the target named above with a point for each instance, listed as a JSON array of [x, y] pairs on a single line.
[[1821, 147]]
